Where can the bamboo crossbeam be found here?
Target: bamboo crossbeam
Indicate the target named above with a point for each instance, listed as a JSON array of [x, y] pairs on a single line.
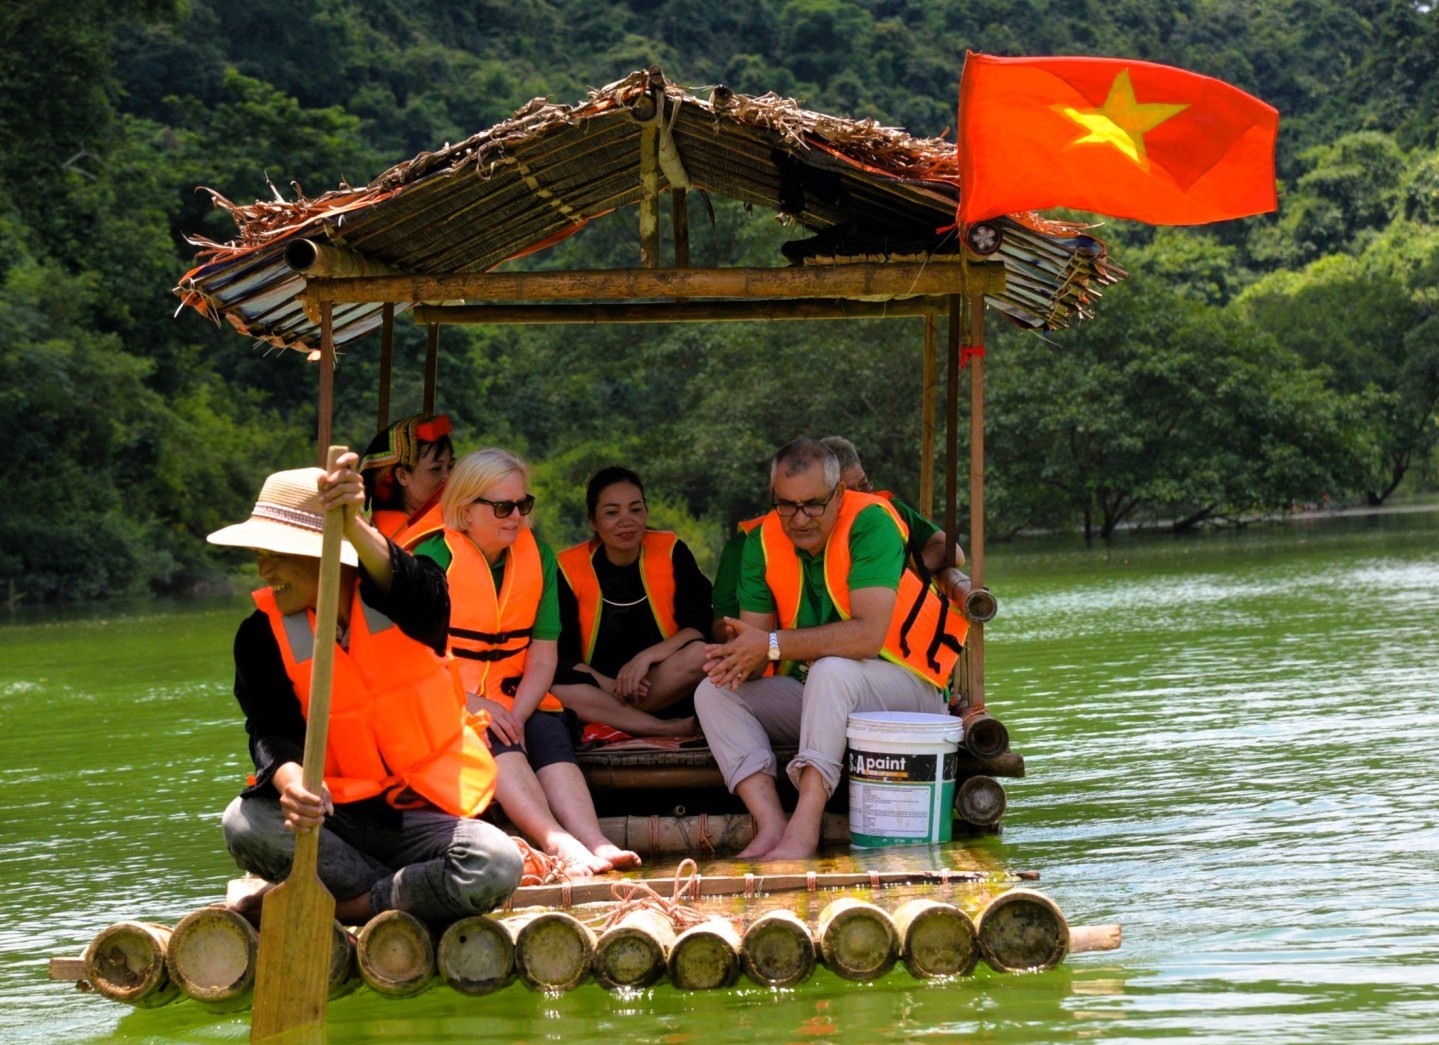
[[677, 311], [869, 280], [751, 885]]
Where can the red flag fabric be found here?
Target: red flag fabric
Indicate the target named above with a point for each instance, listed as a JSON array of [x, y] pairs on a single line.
[[1118, 137]]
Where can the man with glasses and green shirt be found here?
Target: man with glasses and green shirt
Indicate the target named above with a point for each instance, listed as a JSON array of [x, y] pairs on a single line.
[[831, 622]]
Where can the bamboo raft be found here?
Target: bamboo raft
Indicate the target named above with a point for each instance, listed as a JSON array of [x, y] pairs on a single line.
[[691, 933]]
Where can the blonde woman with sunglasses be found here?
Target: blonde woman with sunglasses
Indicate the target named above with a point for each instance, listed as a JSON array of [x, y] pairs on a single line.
[[504, 627]]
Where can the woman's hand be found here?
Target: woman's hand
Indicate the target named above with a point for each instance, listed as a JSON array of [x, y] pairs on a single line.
[[303, 809], [631, 682], [505, 724]]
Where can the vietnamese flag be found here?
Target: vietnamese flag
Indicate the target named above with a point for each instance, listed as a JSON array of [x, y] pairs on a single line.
[[1118, 137]]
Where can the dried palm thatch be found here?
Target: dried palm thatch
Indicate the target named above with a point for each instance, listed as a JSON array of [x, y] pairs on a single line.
[[867, 192]]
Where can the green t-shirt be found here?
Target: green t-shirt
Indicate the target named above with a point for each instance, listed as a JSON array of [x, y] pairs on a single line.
[[547, 614], [726, 586], [876, 550]]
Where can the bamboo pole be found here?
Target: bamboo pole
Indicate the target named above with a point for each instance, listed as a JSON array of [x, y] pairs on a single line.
[[432, 367], [396, 954], [680, 219], [387, 364], [857, 940], [553, 950], [1022, 931], [778, 950], [649, 196], [856, 280], [760, 310], [212, 957], [634, 952], [926, 423], [476, 955], [935, 939], [326, 418], [706, 956], [125, 962]]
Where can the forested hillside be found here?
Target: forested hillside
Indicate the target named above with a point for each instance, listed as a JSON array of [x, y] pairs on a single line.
[[1242, 367]]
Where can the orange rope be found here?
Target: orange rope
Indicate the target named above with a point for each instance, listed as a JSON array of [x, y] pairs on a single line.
[[636, 895]]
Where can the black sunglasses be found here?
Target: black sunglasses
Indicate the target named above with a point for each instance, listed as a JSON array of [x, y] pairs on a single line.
[[504, 509]]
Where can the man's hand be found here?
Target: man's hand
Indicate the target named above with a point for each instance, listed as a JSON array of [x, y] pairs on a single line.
[[303, 809], [730, 663]]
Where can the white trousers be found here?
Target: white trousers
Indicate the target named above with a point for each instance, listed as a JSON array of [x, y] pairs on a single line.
[[742, 727]]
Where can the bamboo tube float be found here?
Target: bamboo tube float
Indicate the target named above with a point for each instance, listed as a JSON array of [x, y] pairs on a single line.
[[984, 735], [396, 954], [126, 962], [212, 958], [344, 964], [1022, 931], [857, 940], [476, 955], [553, 950], [935, 939], [634, 952], [980, 800], [706, 956], [778, 950]]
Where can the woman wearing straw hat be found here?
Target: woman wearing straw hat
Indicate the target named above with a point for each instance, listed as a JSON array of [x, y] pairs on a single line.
[[405, 468], [406, 768], [504, 630]]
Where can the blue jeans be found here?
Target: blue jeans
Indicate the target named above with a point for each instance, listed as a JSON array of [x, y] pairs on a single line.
[[433, 865]]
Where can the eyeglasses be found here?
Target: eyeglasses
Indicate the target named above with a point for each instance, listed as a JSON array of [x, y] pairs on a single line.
[[504, 509], [809, 509]]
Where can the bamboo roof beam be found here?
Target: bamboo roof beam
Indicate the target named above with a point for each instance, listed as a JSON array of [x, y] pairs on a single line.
[[880, 280], [677, 311]]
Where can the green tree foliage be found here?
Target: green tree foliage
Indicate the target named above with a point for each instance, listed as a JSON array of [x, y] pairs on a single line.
[[1198, 392]]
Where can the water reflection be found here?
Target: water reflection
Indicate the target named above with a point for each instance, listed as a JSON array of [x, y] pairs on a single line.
[[1227, 741]]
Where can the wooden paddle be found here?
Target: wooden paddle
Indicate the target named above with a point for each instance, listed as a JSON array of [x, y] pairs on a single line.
[[292, 974]]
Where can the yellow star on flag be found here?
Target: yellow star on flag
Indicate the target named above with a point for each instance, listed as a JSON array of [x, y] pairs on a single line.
[[1122, 120]]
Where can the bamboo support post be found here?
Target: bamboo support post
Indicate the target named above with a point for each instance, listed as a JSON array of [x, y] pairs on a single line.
[[974, 340], [635, 951], [396, 954], [212, 956], [649, 196], [857, 940], [387, 364], [706, 956], [553, 950], [778, 950], [935, 939], [680, 221], [476, 955], [432, 366], [125, 962], [1022, 930], [980, 800], [928, 393], [326, 418]]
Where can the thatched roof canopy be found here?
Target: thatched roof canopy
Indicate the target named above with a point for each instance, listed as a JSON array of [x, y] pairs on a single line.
[[866, 192]]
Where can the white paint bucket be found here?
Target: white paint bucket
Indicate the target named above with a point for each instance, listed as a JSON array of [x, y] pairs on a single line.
[[902, 767]]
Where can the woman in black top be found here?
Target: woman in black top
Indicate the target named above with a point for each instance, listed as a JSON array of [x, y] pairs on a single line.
[[634, 611]]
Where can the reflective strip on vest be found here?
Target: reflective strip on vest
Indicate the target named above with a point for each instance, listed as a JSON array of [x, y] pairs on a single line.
[[920, 612], [490, 630], [397, 717]]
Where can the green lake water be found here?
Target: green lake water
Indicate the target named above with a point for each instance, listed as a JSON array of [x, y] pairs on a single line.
[[1230, 742]]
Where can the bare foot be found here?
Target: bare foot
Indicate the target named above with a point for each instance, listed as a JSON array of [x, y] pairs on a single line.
[[249, 907], [618, 857], [761, 843], [688, 726], [579, 861], [789, 849]]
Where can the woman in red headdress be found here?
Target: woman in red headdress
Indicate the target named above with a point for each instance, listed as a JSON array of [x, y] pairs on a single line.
[[405, 468]]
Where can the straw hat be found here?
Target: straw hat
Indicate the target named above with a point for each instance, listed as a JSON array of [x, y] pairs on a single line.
[[289, 519]]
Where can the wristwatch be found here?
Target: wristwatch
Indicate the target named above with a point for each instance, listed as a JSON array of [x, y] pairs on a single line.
[[774, 645]]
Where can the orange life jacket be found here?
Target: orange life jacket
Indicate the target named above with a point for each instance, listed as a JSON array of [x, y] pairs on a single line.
[[409, 530], [925, 635], [657, 574], [398, 722], [489, 630]]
